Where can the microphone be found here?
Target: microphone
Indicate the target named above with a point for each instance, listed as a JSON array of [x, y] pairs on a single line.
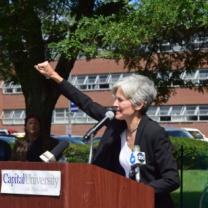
[[108, 115], [55, 152], [112, 108], [137, 159]]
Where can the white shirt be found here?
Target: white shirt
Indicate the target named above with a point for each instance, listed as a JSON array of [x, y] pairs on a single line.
[[125, 154]]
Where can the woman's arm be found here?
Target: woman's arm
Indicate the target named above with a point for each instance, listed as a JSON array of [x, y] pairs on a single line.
[[84, 102], [47, 70]]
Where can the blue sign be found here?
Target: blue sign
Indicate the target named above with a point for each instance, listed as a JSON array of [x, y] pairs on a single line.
[[73, 107], [132, 158]]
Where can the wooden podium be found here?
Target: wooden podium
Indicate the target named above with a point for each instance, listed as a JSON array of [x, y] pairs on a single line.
[[82, 186]]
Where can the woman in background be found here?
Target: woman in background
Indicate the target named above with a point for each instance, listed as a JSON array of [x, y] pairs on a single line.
[[29, 148]]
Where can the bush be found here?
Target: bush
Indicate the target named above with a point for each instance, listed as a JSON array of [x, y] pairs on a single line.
[[77, 153], [195, 153]]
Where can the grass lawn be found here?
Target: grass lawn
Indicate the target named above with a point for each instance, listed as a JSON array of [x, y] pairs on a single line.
[[194, 182]]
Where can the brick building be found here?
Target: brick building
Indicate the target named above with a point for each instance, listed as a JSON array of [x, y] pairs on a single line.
[[185, 108]]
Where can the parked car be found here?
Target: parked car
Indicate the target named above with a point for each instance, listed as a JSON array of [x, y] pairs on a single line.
[[196, 133], [72, 139], [178, 132], [4, 132], [19, 134], [5, 150], [6, 144], [10, 139]]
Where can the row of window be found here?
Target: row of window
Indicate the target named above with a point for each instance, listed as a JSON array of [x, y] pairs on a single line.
[[11, 88], [158, 113], [179, 113], [16, 117], [97, 81], [196, 43], [167, 47], [105, 81]]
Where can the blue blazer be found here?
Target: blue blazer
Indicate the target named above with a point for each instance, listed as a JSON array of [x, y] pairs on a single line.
[[160, 171]]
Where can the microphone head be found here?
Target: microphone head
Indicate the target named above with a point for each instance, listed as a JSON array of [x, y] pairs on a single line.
[[110, 114], [112, 108], [55, 153]]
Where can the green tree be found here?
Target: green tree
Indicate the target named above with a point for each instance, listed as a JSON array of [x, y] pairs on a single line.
[[141, 35], [27, 29]]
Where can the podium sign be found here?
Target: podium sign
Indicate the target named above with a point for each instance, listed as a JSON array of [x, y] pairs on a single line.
[[32, 182], [82, 185]]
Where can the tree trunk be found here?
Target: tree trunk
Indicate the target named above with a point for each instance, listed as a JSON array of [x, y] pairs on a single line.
[[41, 95]]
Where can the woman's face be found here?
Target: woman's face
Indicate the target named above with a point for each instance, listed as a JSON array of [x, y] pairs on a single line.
[[32, 127], [125, 109]]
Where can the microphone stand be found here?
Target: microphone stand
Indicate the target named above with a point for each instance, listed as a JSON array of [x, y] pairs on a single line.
[[91, 148], [91, 133]]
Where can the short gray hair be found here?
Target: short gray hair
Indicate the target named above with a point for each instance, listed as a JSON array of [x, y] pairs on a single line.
[[137, 88]]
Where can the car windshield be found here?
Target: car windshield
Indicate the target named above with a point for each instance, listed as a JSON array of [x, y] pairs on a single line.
[[3, 133], [71, 139], [196, 134], [179, 133]]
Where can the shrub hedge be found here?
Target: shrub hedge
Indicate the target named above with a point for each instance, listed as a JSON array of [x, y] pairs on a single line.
[[77, 153], [195, 153]]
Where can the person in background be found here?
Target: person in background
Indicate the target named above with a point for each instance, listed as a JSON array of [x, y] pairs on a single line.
[[29, 148], [130, 126]]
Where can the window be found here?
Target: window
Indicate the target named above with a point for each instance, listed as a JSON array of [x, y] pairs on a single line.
[[167, 47], [96, 82], [11, 88], [81, 118], [13, 117], [201, 41], [191, 113], [203, 113], [80, 82], [103, 81], [78, 117], [114, 78], [179, 113], [190, 76], [164, 113], [203, 74], [17, 117], [60, 116], [152, 112], [91, 82], [106, 81], [164, 110]]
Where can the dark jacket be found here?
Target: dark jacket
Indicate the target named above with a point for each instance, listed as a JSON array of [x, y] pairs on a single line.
[[34, 151], [160, 170]]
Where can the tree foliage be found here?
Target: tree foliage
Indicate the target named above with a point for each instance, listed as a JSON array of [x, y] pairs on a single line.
[[27, 29], [140, 35]]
